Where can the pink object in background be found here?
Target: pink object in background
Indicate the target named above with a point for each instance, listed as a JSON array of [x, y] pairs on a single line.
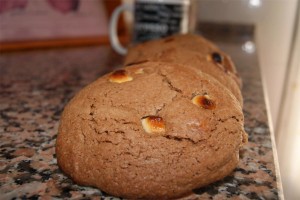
[[65, 6], [53, 19], [6, 5]]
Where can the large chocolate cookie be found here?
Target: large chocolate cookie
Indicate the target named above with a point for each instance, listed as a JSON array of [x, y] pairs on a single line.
[[152, 131]]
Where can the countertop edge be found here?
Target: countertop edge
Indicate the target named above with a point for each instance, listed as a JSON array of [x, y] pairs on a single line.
[[272, 134]]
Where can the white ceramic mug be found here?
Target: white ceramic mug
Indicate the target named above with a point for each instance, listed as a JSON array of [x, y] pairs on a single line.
[[153, 19]]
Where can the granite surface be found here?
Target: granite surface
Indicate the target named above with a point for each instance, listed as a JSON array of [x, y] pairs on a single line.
[[36, 85]]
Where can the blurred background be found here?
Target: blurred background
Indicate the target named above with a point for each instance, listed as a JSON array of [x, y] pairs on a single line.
[[276, 25]]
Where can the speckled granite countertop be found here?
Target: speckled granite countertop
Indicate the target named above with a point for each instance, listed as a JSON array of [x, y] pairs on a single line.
[[36, 85]]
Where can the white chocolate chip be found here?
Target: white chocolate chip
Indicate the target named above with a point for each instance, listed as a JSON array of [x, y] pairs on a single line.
[[204, 102], [139, 71], [120, 76], [153, 124]]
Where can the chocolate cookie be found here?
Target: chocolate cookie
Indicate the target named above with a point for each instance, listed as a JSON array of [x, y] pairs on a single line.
[[153, 130], [181, 46]]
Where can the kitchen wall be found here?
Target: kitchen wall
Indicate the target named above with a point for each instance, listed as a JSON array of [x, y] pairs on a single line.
[[288, 141]]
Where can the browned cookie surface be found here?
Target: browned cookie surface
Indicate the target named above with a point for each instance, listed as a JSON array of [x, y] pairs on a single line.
[[153, 130], [195, 60], [180, 48]]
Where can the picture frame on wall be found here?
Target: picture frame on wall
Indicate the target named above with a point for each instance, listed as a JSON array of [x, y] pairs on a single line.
[[29, 24]]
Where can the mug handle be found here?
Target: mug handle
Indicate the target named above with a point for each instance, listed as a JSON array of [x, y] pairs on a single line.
[[113, 35]]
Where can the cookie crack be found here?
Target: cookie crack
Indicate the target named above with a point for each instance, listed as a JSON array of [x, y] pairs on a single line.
[[160, 108], [137, 62], [229, 118], [123, 121], [108, 139], [165, 79], [179, 139]]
